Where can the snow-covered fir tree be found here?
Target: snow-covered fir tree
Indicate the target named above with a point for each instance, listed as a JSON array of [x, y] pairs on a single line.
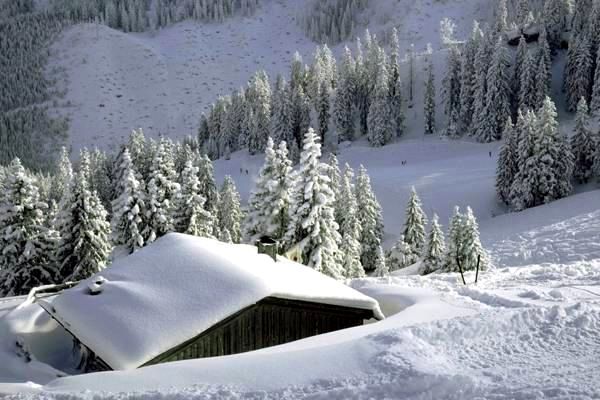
[[395, 87], [282, 121], [140, 156], [452, 82], [414, 226], [583, 145], [313, 227], [507, 161], [545, 161], [258, 97], [189, 213], [579, 72], [469, 246], [370, 219], [498, 94], [555, 15], [455, 238], [381, 268], [468, 80], [542, 85], [429, 101], [63, 176], [26, 259], [269, 204], [380, 118], [162, 189], [435, 250], [520, 57], [481, 64], [350, 229], [127, 222], [84, 244], [528, 83], [230, 212], [208, 185], [595, 103], [343, 102], [400, 255], [335, 180], [323, 110]]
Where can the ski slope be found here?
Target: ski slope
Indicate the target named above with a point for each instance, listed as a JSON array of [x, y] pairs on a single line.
[[162, 81]]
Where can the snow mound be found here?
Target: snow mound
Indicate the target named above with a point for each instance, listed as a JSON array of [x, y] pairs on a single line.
[[179, 286]]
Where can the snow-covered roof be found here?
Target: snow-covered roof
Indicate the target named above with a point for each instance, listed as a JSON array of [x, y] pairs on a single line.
[[179, 286]]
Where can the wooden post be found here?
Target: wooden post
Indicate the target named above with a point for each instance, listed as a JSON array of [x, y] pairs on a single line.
[[460, 269], [477, 271]]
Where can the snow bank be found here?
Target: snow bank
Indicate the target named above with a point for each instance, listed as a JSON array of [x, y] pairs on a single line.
[[179, 286]]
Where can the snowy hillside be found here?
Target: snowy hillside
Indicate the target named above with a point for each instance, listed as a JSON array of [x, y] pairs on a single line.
[[162, 81], [520, 333]]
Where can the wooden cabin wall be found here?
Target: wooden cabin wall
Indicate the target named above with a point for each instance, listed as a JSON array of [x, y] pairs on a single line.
[[270, 322]]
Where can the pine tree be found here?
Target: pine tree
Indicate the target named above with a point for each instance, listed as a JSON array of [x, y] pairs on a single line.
[[595, 104], [230, 212], [542, 88], [429, 104], [350, 228], [128, 208], [313, 225], [507, 162], [435, 250], [455, 238], [189, 206], [501, 17], [520, 58], [84, 244], [395, 91], [401, 255], [482, 63], [269, 204], [381, 268], [335, 180], [470, 248], [301, 105], [468, 80], [26, 257], [208, 185], [522, 12], [522, 189], [582, 145], [498, 94], [380, 128], [452, 82], [554, 18], [323, 111], [259, 100], [162, 189], [528, 83], [414, 226], [282, 121], [138, 150], [343, 104], [369, 216], [579, 73], [63, 176]]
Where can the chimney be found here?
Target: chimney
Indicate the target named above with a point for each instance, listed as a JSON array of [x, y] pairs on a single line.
[[269, 246]]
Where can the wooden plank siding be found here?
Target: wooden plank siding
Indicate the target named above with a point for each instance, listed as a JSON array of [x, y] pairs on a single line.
[[270, 322]]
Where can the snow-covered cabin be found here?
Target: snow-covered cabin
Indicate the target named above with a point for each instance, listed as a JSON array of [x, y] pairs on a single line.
[[186, 297]]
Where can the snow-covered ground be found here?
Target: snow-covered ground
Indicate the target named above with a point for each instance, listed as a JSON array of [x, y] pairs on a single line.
[[528, 329], [162, 81]]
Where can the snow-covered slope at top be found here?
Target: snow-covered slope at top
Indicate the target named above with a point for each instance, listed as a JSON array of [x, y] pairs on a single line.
[[179, 286], [162, 81]]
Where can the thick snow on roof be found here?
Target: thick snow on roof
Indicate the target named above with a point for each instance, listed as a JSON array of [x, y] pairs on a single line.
[[179, 286]]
